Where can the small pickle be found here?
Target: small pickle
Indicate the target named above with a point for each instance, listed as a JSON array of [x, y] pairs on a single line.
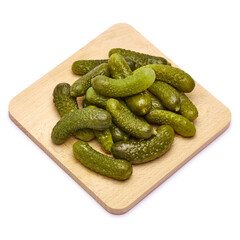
[[81, 85], [140, 58], [128, 121], [168, 95], [105, 139], [180, 124], [139, 81], [96, 99], [156, 104], [173, 76], [118, 169], [82, 67], [144, 151], [118, 134], [187, 108], [65, 103]]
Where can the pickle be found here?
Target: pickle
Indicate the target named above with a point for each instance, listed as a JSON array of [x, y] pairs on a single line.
[[82, 67], [93, 118], [127, 121], [105, 139], [140, 58], [96, 99], [139, 81], [173, 76], [65, 103], [86, 103], [138, 152], [118, 134], [156, 104], [114, 168], [81, 85], [168, 95], [180, 124], [187, 108]]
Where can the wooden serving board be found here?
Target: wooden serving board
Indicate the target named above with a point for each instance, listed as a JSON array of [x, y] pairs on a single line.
[[39, 117]]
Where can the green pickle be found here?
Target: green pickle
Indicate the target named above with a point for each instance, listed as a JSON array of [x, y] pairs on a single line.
[[180, 124], [105, 139], [118, 169], [110, 87], [127, 121], [156, 104], [187, 108], [167, 94], [96, 99], [144, 151], [81, 85], [173, 76], [82, 67], [65, 103], [141, 59], [118, 134], [93, 118]]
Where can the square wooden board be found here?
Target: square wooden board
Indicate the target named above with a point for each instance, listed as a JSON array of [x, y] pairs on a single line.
[[39, 117]]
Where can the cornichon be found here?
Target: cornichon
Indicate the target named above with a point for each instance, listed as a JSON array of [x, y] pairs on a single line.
[[167, 94], [93, 118], [105, 139], [140, 58], [81, 85], [140, 104], [139, 81], [173, 76], [118, 67], [65, 103], [127, 121], [118, 134], [138, 152], [180, 124], [82, 67], [156, 104], [187, 108], [114, 168], [96, 99]]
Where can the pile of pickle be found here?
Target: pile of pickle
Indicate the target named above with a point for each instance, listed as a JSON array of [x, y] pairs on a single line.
[[123, 96]]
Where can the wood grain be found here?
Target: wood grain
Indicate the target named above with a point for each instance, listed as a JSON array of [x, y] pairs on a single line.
[[39, 117]]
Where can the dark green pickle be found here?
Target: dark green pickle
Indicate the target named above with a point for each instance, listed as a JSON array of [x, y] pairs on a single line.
[[81, 85], [96, 99], [118, 169], [144, 151], [82, 67], [141, 59], [118, 134]]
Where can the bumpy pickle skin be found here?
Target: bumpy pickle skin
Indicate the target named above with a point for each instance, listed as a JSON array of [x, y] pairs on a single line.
[[180, 124], [118, 134], [93, 118], [138, 152], [140, 58], [173, 76], [167, 95], [139, 81], [105, 139], [118, 169], [128, 121], [187, 108], [65, 103], [82, 67], [81, 85]]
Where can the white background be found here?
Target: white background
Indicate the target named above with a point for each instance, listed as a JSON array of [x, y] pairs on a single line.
[[40, 201]]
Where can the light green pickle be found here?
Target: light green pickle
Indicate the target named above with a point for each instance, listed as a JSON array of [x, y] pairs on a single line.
[[144, 151], [167, 95], [65, 103], [118, 169], [128, 121], [105, 139], [180, 124], [139, 81], [81, 85], [96, 99]]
